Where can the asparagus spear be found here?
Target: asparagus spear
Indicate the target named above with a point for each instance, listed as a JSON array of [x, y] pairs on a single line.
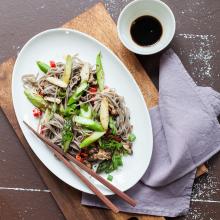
[[85, 111], [89, 123], [36, 99], [104, 113], [76, 95], [91, 139], [68, 68], [56, 82], [46, 117], [61, 109], [67, 135], [52, 99], [84, 73], [100, 72], [43, 66]]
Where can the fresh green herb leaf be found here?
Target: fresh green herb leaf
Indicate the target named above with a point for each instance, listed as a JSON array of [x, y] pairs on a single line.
[[110, 144], [110, 177], [131, 137], [103, 166], [117, 160], [61, 94], [125, 152], [109, 166], [70, 110], [112, 125]]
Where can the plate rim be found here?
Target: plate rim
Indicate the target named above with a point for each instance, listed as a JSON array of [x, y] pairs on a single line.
[[120, 62]]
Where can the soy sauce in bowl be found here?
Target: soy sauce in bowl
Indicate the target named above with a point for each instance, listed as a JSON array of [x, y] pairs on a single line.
[[146, 30]]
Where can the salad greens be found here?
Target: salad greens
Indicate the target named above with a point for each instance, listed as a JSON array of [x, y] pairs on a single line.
[[131, 137], [79, 113], [110, 144], [109, 166], [110, 177], [112, 125]]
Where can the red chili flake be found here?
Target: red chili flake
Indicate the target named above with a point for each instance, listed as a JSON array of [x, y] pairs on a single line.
[[92, 90], [37, 113], [79, 158], [52, 64]]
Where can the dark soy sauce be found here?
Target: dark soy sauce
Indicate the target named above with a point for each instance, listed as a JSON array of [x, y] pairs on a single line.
[[146, 30]]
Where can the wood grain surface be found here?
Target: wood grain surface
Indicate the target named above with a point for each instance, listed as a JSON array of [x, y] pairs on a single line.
[[67, 198]]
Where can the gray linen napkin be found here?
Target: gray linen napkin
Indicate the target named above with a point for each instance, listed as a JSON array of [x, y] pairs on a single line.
[[186, 134]]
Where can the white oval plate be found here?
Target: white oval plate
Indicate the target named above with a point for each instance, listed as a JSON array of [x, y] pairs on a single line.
[[54, 44]]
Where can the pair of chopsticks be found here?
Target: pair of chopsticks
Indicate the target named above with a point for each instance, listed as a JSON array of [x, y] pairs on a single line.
[[66, 158]]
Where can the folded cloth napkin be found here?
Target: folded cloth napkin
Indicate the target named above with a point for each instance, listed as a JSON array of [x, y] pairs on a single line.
[[186, 133]]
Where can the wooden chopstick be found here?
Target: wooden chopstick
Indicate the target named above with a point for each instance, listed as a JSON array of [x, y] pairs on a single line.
[[121, 194], [114, 189], [101, 196], [61, 157]]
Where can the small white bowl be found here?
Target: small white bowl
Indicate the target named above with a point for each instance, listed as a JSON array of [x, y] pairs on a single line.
[[138, 8]]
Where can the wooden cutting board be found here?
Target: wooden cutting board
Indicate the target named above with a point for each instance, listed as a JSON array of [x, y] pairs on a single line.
[[99, 24]]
